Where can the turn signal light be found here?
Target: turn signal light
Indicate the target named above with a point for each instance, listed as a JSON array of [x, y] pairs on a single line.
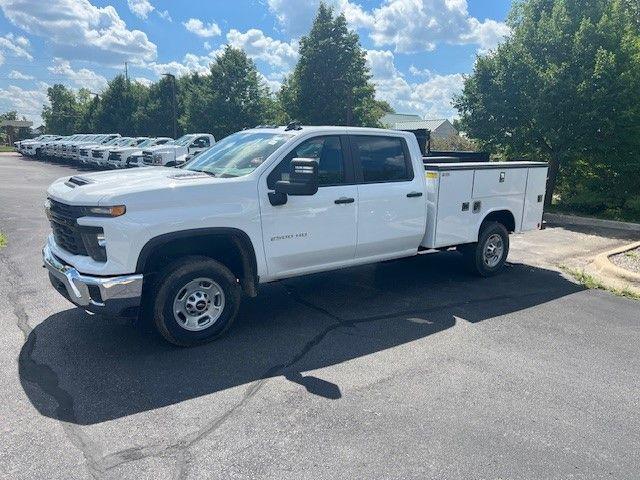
[[114, 211]]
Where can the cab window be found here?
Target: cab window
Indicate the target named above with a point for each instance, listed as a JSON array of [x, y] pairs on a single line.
[[327, 150], [201, 142], [381, 158]]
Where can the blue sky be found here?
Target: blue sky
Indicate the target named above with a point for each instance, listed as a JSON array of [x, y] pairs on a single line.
[[418, 50]]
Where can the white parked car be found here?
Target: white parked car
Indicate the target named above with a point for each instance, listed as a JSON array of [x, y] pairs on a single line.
[[31, 147], [127, 157], [65, 147], [84, 150], [48, 146], [116, 154], [179, 151], [99, 139], [100, 153], [54, 149], [268, 204]]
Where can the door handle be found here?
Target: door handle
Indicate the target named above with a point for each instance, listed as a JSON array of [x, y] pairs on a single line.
[[414, 194], [342, 200]]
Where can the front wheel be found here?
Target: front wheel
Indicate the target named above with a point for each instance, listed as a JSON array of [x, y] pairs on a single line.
[[488, 256], [196, 301]]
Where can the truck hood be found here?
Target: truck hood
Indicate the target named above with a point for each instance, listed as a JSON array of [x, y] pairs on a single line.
[[101, 187], [124, 150]]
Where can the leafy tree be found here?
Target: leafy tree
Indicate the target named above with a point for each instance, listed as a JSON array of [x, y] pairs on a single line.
[[61, 115], [118, 106], [563, 87], [87, 106], [331, 82], [154, 116], [229, 99]]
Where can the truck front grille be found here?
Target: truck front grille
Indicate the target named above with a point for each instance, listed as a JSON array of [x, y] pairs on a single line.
[[66, 230], [115, 157], [96, 154]]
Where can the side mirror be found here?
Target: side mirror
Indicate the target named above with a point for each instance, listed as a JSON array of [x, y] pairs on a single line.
[[303, 180]]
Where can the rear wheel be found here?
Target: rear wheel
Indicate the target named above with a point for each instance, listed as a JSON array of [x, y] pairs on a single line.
[[196, 301], [488, 256]]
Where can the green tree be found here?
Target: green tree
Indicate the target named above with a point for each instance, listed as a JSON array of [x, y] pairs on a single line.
[[88, 105], [229, 99], [154, 116], [61, 115], [118, 106], [331, 81], [563, 87]]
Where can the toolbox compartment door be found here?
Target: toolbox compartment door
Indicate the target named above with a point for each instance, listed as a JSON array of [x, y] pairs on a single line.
[[534, 199]]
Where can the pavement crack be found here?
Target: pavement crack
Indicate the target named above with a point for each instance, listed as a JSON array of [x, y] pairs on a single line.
[[44, 377]]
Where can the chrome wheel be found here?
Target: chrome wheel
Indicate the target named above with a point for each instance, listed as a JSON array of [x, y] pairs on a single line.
[[198, 304], [493, 251]]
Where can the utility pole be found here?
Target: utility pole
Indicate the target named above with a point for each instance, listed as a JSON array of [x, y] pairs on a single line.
[[173, 103], [126, 72]]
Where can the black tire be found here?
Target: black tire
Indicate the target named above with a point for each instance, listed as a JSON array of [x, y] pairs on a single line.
[[173, 279], [474, 253]]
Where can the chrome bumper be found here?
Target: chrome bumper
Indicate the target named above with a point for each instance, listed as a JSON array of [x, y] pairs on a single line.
[[115, 296]]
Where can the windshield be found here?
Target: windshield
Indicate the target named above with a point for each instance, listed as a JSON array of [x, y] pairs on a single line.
[[112, 141], [238, 154], [146, 143], [184, 140]]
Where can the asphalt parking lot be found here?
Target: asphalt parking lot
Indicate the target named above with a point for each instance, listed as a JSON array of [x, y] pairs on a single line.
[[406, 369]]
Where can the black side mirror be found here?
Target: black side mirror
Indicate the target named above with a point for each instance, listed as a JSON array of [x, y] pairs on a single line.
[[303, 180]]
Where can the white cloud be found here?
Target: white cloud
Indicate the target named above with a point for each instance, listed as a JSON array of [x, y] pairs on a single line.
[[16, 75], [165, 14], [27, 103], [82, 78], [419, 25], [140, 8], [277, 54], [14, 45], [144, 81], [196, 26], [79, 30], [261, 47], [406, 25], [430, 98], [190, 63]]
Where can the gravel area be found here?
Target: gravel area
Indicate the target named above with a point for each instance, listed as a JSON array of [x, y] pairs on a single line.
[[628, 260]]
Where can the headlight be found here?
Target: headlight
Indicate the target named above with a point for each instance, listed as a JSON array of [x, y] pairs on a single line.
[[114, 211]]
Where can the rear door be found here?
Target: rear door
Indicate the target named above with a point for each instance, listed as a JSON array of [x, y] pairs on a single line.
[[391, 205], [314, 232]]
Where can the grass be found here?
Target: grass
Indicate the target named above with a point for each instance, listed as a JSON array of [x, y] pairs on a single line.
[[5, 148], [633, 255], [623, 216], [592, 283], [3, 240]]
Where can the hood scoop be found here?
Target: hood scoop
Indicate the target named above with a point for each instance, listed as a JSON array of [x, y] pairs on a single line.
[[76, 181], [188, 176]]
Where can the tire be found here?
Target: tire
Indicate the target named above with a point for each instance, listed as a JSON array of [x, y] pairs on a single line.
[[196, 300], [488, 256]]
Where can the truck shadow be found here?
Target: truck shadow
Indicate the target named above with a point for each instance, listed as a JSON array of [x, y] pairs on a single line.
[[86, 369]]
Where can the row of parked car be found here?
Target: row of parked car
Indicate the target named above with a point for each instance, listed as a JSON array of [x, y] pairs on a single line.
[[111, 150]]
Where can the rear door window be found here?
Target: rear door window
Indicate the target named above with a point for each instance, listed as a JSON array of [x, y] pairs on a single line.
[[381, 158]]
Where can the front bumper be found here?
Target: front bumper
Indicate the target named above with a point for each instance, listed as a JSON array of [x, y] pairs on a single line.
[[113, 296]]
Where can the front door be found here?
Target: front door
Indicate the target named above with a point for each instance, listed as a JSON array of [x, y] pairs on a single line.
[[314, 232]]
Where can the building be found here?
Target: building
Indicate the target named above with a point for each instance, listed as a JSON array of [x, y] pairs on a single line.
[[440, 128]]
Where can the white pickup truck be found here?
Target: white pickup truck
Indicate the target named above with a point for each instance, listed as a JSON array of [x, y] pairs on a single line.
[[176, 152], [179, 246]]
